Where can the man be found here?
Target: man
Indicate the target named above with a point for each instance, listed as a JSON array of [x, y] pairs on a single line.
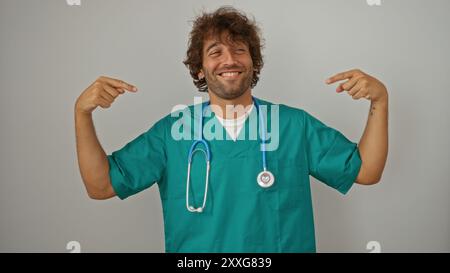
[[252, 199]]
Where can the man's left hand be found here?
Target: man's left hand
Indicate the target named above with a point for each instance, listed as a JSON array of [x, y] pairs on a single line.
[[360, 85]]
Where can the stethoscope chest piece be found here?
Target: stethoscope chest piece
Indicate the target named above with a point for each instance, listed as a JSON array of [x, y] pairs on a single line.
[[265, 179]]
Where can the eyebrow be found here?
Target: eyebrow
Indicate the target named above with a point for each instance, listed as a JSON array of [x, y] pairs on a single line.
[[213, 45]]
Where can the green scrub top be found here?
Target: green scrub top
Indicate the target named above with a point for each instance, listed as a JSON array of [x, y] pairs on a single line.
[[239, 216]]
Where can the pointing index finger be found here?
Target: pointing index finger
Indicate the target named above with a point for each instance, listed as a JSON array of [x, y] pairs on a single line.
[[120, 84], [341, 76]]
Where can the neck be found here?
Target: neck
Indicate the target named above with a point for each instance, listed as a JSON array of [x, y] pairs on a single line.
[[219, 105]]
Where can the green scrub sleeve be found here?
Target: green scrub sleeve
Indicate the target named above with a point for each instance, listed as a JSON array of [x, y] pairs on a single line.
[[332, 158], [140, 163]]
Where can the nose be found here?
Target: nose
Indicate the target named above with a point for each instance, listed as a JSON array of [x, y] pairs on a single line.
[[229, 58]]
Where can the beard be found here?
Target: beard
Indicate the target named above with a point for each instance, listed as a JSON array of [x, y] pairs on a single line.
[[228, 89]]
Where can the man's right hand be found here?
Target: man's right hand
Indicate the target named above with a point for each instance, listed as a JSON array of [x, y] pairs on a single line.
[[101, 93]]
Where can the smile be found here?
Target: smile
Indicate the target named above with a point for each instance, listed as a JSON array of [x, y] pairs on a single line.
[[230, 75]]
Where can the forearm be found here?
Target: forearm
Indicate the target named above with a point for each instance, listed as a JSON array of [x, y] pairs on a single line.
[[373, 146], [92, 159]]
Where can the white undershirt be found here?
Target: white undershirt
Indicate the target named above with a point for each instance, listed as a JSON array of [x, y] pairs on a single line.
[[234, 126]]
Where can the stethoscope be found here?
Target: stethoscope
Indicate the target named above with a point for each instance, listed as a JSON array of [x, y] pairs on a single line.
[[264, 179]]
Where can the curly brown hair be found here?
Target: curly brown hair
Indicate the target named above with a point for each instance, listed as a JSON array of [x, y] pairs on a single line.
[[239, 27]]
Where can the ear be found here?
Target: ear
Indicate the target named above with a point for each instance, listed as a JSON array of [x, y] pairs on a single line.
[[200, 75]]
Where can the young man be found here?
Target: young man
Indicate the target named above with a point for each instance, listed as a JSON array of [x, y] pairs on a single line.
[[249, 197]]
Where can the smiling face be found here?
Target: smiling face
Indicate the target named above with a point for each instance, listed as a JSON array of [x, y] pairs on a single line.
[[227, 67]]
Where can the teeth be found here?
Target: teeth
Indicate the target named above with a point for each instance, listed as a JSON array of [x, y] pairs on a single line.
[[229, 74]]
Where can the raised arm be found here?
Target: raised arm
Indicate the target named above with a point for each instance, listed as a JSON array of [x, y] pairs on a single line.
[[373, 145], [92, 159]]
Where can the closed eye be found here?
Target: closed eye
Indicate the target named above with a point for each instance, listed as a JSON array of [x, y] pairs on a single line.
[[214, 53]]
